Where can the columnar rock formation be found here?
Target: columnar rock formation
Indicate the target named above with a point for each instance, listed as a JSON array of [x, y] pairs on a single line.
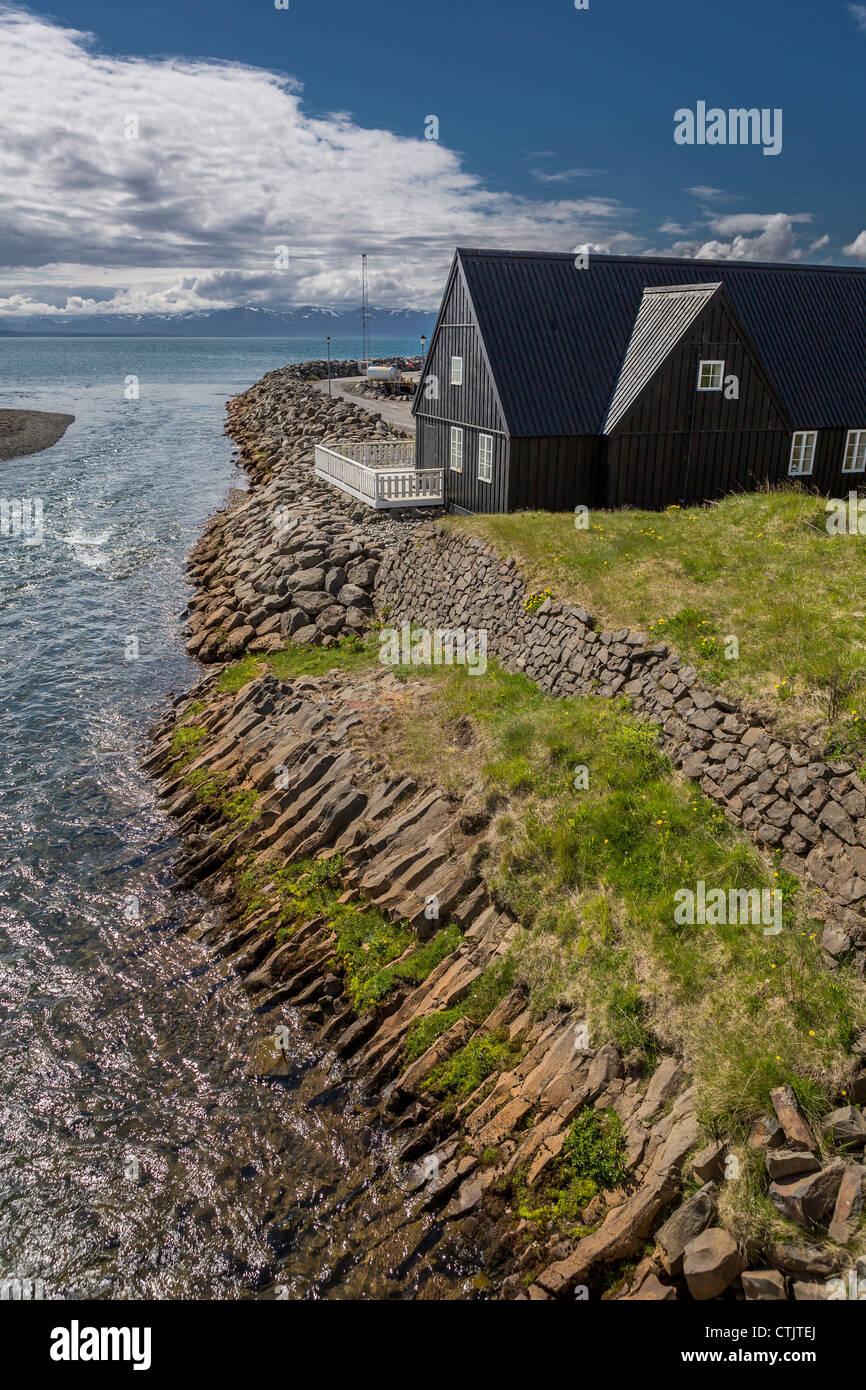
[[282, 772]]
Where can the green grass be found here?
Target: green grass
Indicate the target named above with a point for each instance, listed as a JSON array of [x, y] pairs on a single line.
[[592, 1160], [592, 875], [292, 661], [185, 742], [482, 1057], [759, 567], [483, 996], [375, 953]]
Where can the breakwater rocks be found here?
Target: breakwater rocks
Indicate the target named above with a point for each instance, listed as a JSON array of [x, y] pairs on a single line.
[[295, 557], [783, 794], [346, 890]]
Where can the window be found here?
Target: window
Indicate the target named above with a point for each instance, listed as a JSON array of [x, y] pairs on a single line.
[[485, 458], [456, 449], [802, 453], [855, 452], [456, 371], [710, 376]]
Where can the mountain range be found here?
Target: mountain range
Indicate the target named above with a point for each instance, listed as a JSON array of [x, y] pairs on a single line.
[[307, 321]]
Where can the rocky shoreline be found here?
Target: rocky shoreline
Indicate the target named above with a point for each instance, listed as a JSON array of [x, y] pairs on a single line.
[[316, 851], [25, 432]]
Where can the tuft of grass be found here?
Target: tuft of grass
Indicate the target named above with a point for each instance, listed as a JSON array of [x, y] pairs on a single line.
[[592, 1160], [351, 654], [481, 1058], [292, 661], [234, 677], [492, 985], [185, 742]]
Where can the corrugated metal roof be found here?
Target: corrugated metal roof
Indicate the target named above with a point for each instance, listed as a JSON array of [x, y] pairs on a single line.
[[664, 315], [556, 336]]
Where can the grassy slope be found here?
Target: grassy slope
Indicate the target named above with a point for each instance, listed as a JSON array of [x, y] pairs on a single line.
[[760, 567], [591, 873]]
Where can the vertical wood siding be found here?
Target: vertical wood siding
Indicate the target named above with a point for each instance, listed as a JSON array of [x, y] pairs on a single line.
[[680, 445], [555, 474], [473, 406]]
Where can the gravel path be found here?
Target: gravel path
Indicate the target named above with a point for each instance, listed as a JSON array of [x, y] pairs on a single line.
[[395, 412]]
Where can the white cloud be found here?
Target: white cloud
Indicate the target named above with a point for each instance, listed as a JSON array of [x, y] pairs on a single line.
[[706, 195], [857, 248], [228, 166], [564, 175], [746, 237], [858, 14]]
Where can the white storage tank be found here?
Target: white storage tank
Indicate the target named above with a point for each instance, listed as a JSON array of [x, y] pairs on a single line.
[[383, 373]]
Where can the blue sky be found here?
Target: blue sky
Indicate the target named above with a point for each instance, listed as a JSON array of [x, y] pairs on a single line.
[[555, 130]]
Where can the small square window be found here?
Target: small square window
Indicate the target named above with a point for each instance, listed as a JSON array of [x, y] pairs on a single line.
[[485, 458], [710, 376], [456, 449], [456, 371], [802, 453], [855, 452]]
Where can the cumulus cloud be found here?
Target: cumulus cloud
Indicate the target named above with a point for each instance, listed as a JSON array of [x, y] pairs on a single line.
[[857, 248], [746, 237], [858, 14], [167, 185]]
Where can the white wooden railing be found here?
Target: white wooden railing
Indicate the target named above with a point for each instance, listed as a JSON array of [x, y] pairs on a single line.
[[382, 475], [389, 455]]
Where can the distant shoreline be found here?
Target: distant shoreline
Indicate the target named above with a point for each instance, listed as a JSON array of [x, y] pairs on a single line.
[[25, 432]]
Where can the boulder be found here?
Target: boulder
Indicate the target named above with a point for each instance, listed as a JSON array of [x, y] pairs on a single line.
[[807, 1198], [711, 1263], [797, 1132], [762, 1285], [796, 1257], [708, 1163], [687, 1222], [784, 1163], [849, 1205], [351, 596], [312, 603], [846, 1127]]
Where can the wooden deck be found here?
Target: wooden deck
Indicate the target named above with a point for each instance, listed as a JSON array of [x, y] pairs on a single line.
[[382, 475]]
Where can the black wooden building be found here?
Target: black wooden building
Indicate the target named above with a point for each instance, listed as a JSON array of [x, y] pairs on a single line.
[[640, 381]]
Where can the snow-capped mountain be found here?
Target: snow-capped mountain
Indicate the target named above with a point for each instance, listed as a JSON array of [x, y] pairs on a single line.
[[307, 321]]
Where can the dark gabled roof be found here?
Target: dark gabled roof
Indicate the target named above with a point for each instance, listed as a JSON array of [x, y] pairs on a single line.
[[556, 336], [665, 313]]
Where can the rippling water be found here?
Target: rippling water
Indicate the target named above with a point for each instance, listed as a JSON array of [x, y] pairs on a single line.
[[137, 1157]]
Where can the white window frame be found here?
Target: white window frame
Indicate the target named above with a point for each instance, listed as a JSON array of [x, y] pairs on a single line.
[[855, 449], [456, 449], [804, 444], [485, 458], [709, 362], [456, 371]]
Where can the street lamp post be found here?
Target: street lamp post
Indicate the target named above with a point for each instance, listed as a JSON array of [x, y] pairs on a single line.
[[329, 364], [423, 344]]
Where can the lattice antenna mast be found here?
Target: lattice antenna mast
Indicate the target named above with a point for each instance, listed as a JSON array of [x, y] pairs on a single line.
[[364, 306]]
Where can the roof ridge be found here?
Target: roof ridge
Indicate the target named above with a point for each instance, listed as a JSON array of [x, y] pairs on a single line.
[[662, 260]]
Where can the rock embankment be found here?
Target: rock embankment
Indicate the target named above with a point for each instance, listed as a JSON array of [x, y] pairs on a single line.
[[812, 811], [295, 558], [30, 431], [350, 892]]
